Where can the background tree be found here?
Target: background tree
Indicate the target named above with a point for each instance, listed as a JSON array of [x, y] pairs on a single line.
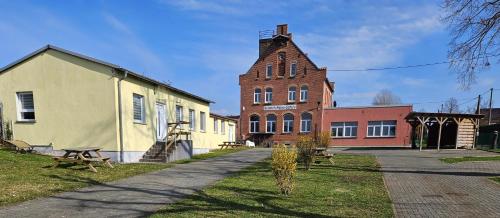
[[451, 106], [474, 27], [386, 97]]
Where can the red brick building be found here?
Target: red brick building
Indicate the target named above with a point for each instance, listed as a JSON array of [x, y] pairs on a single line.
[[283, 93], [377, 126]]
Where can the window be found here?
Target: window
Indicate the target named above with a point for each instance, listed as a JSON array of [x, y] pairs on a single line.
[[25, 106], [138, 108], [293, 69], [256, 96], [223, 127], [254, 124], [305, 122], [269, 95], [281, 64], [179, 116], [344, 129], [192, 119], [216, 125], [269, 71], [291, 93], [202, 121], [270, 123], [288, 123], [382, 128], [303, 93]]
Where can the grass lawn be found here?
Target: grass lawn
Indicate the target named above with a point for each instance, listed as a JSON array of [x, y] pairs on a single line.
[[496, 179], [469, 158], [353, 187], [27, 176]]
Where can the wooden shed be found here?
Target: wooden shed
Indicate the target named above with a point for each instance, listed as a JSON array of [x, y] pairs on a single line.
[[444, 130]]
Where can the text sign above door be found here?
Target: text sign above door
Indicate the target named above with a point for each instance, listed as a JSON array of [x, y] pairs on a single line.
[[280, 107]]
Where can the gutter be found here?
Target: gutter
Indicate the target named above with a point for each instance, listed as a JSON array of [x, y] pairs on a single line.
[[120, 117]]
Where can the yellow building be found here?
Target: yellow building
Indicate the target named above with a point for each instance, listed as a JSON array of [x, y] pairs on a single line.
[[58, 97]]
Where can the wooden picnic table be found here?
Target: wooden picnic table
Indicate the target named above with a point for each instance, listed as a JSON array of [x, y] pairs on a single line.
[[85, 156], [322, 152], [231, 144]]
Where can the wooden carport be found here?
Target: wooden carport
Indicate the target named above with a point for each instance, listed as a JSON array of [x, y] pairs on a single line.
[[467, 126]]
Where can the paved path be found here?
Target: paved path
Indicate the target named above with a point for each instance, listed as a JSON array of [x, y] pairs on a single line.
[[140, 195], [420, 185]]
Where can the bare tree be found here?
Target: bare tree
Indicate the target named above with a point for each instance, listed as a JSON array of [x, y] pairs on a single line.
[[474, 26], [451, 106], [386, 97]]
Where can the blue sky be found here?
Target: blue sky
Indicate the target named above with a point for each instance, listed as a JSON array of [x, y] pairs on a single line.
[[202, 46]]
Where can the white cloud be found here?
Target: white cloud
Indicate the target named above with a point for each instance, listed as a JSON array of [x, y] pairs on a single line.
[[414, 81]]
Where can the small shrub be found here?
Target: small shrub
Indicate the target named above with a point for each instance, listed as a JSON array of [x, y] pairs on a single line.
[[284, 167], [305, 149], [8, 131], [323, 139]]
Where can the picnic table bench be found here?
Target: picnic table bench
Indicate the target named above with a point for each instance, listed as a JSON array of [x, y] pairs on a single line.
[[85, 156], [321, 152], [231, 144]]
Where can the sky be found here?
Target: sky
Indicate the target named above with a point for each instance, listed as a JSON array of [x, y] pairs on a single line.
[[202, 46]]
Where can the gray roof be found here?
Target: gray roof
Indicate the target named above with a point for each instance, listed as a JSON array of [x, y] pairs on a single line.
[[116, 67]]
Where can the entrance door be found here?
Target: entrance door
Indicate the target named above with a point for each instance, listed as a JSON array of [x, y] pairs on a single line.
[[231, 133], [161, 122]]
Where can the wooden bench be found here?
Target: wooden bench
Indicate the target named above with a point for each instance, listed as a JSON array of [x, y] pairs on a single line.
[[230, 144], [321, 152]]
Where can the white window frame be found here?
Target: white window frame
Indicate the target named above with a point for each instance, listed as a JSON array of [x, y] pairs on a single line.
[[292, 94], [143, 112], [222, 127], [255, 124], [271, 123], [289, 124], [304, 93], [383, 124], [268, 96], [269, 73], [203, 121], [216, 125], [179, 115], [192, 120], [293, 74], [344, 127], [306, 122], [256, 96], [20, 108]]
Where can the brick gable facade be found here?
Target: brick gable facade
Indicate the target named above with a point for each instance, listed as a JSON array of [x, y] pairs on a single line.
[[281, 52]]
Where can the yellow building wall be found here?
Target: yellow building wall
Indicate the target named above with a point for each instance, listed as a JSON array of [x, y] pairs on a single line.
[[74, 101]]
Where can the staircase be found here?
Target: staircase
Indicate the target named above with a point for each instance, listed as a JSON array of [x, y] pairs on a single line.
[[162, 150]]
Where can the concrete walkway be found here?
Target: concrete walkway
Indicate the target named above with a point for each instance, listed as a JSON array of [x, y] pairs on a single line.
[[420, 185], [137, 196]]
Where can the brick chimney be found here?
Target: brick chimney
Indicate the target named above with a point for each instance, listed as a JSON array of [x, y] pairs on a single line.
[[282, 29]]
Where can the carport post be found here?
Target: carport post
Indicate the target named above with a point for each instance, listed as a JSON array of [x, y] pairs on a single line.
[[441, 121], [422, 122]]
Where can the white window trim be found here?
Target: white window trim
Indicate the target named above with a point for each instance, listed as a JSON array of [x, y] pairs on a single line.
[[310, 122], [287, 121], [192, 122], [203, 122], [20, 107], [294, 95], [266, 100], [254, 97], [382, 129], [267, 71], [344, 128], [216, 125], [302, 96], [143, 111], [250, 126], [267, 125], [222, 127], [293, 75]]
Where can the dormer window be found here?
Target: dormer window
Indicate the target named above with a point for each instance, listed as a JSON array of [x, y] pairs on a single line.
[[293, 69], [269, 71]]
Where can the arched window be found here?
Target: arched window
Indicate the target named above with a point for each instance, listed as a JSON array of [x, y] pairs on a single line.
[[288, 123], [304, 93], [305, 122], [269, 95], [291, 93], [256, 96], [254, 123], [270, 123]]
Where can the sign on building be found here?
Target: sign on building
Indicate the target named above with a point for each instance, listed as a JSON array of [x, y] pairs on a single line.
[[280, 107]]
